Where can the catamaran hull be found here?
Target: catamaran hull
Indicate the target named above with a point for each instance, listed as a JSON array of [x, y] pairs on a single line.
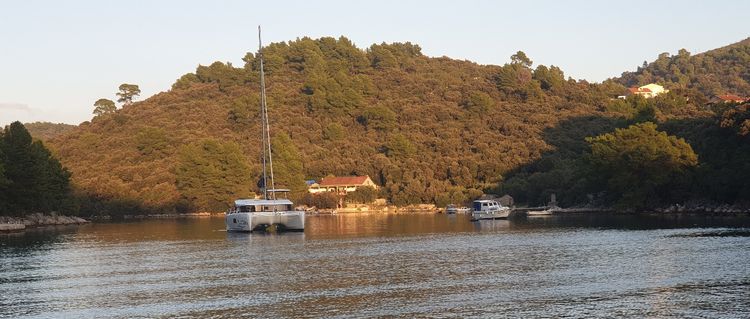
[[247, 222]]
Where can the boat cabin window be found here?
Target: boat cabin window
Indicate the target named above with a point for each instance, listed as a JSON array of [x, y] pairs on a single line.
[[282, 207], [485, 204], [276, 208], [246, 209]]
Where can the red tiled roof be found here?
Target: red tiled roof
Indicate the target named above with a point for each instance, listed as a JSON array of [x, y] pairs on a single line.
[[343, 180], [639, 90], [731, 97]]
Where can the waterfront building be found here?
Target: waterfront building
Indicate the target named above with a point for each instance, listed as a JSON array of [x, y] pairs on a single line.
[[341, 184]]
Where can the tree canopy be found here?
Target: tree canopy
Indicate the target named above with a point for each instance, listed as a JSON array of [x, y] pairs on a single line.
[[127, 92], [640, 165], [31, 178], [210, 174], [104, 106]]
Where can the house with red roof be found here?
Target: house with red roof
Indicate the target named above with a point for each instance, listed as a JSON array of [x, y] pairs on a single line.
[[647, 91], [341, 184]]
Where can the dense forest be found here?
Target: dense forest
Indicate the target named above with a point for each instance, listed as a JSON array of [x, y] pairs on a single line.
[[428, 130]]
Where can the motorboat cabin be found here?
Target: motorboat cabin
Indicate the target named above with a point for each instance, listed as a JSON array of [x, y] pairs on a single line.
[[488, 209]]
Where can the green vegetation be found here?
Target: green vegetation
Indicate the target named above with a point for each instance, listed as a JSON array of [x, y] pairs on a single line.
[[326, 200], [641, 166], [103, 107], [210, 174], [428, 130], [363, 195], [127, 93], [31, 179], [287, 166], [718, 71], [676, 159]]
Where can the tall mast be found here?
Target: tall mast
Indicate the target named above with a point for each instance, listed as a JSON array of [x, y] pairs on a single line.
[[265, 127], [262, 119]]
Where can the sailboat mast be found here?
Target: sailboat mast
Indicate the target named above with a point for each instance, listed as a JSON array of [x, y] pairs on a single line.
[[262, 117], [265, 127]]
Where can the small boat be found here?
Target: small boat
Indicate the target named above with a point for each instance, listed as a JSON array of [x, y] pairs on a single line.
[[451, 209], [273, 212], [488, 209], [546, 212]]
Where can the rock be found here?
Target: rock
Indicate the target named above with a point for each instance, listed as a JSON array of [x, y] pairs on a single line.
[[11, 227], [38, 219]]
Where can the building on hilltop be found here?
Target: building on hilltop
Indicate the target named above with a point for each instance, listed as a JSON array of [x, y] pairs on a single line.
[[647, 91], [342, 184]]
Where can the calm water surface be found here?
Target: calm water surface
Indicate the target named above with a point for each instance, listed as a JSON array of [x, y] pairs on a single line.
[[380, 265]]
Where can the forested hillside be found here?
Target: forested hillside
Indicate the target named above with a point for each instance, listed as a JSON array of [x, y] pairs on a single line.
[[720, 71], [429, 130]]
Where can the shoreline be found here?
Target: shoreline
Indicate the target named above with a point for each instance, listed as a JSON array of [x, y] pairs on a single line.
[[708, 210], [9, 223]]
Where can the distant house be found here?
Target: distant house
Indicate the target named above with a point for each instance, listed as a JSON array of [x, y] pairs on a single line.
[[647, 91], [341, 184]]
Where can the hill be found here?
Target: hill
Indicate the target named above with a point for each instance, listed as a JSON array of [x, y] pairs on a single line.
[[429, 130], [46, 130], [719, 71]]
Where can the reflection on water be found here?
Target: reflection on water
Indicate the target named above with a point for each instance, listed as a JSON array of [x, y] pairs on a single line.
[[370, 265]]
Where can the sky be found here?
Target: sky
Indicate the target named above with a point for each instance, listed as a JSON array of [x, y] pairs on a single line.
[[58, 57]]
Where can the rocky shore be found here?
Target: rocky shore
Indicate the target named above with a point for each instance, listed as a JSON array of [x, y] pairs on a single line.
[[688, 208], [8, 223], [705, 208]]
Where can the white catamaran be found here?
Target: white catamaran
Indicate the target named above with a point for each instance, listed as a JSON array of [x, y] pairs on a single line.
[[274, 211]]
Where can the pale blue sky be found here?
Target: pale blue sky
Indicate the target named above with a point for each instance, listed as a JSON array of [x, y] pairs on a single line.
[[58, 57]]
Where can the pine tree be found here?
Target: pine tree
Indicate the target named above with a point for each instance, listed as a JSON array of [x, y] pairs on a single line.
[[36, 181], [3, 181]]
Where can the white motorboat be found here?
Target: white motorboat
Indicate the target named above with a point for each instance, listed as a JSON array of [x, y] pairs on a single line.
[[269, 213], [488, 209]]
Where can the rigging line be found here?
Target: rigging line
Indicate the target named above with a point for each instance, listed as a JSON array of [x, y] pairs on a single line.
[[264, 107]]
